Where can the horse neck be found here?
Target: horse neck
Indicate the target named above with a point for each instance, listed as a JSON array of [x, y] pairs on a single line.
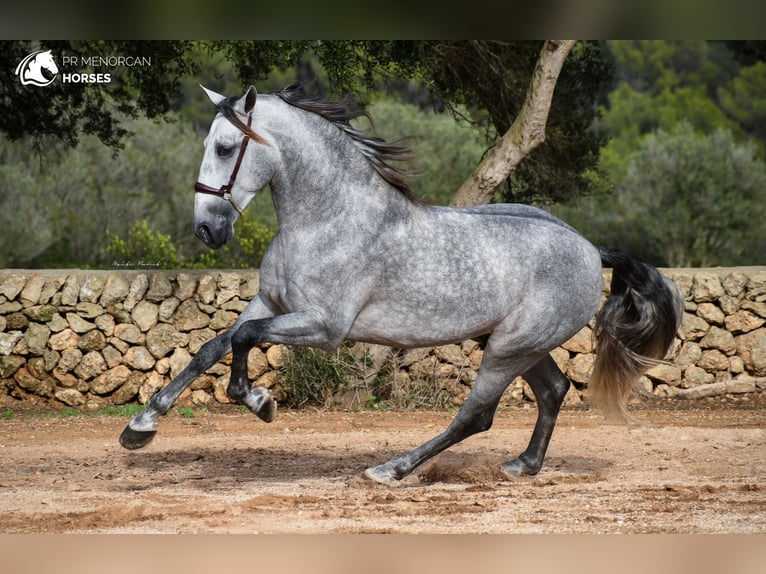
[[324, 178]]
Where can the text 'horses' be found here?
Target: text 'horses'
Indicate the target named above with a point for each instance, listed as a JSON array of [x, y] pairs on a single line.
[[357, 257]]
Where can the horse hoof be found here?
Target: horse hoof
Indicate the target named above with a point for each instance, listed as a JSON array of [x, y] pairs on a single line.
[[133, 439], [267, 412], [380, 475], [516, 468]]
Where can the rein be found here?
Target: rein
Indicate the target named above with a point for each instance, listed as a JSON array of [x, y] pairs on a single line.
[[224, 192]]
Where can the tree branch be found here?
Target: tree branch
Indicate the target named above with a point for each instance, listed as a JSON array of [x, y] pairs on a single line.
[[526, 133]]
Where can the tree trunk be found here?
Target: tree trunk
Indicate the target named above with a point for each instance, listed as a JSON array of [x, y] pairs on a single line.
[[526, 133]]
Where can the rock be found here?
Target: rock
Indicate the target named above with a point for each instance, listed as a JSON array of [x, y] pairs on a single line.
[[145, 315], [257, 363], [734, 284], [109, 380], [89, 310], [201, 398], [42, 388], [30, 294], [70, 291], [9, 364], [162, 366], [90, 366], [751, 347], [277, 356], [667, 374], [78, 324], [249, 287], [716, 389], [198, 338], [57, 323], [66, 339], [40, 313], [139, 358], [92, 288], [16, 321], [412, 356], [105, 324], [129, 333], [710, 313], [70, 397], [8, 341], [759, 308], [706, 287], [713, 361], [222, 320], [693, 327], [695, 376], [582, 342], [228, 287], [167, 308], [11, 285], [129, 389], [188, 316], [50, 288], [116, 288], [178, 361], [153, 383], [36, 338], [720, 339], [136, 291], [206, 289], [64, 379], [728, 304], [112, 356], [736, 365], [688, 355], [219, 390], [451, 354], [186, 284], [580, 367], [159, 288], [756, 286], [163, 338], [70, 358], [92, 341], [743, 322]]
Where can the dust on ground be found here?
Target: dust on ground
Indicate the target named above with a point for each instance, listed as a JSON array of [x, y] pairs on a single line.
[[689, 468]]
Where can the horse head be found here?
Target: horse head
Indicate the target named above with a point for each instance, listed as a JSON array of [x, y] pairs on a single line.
[[231, 172]]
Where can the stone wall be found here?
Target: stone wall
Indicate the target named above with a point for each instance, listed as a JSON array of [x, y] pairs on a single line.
[[89, 339]]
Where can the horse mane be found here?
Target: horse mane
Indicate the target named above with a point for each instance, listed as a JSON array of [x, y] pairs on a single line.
[[376, 150]]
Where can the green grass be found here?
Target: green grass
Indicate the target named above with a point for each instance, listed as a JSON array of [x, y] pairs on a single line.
[[110, 411]]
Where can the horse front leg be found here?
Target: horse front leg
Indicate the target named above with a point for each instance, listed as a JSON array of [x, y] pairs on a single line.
[[301, 328], [141, 429]]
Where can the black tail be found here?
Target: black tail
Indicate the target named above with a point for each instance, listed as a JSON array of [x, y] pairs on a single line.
[[634, 329]]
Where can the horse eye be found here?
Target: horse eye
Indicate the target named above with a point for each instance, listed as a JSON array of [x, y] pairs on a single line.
[[223, 150]]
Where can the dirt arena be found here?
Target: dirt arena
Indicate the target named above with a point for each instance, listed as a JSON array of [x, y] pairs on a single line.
[[690, 468]]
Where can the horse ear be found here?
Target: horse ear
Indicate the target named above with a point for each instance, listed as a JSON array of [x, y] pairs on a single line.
[[214, 97], [249, 98]]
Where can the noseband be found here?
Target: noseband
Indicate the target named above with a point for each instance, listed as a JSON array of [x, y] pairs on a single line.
[[224, 192]]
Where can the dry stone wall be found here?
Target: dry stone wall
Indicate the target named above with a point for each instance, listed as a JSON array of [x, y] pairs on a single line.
[[88, 339]]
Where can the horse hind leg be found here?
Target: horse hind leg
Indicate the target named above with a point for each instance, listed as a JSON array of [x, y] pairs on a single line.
[[475, 416], [549, 386]]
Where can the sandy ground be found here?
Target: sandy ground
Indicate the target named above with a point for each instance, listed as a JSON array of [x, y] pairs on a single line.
[[691, 468]]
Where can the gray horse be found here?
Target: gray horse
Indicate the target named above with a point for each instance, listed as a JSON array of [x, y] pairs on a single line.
[[358, 257]]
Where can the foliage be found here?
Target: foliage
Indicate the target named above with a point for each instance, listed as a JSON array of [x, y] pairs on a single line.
[[142, 248], [446, 151], [685, 199], [147, 248], [314, 377], [66, 111]]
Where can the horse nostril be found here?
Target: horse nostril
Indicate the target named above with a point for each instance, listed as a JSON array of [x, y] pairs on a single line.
[[203, 232]]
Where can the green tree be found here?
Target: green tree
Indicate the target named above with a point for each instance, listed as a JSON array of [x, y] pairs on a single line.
[[685, 199]]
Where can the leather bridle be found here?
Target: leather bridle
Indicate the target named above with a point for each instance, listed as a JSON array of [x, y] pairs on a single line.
[[224, 192]]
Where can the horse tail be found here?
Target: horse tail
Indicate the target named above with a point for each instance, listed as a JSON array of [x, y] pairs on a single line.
[[634, 329]]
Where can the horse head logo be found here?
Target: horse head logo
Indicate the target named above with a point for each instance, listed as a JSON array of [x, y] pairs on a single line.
[[31, 69]]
